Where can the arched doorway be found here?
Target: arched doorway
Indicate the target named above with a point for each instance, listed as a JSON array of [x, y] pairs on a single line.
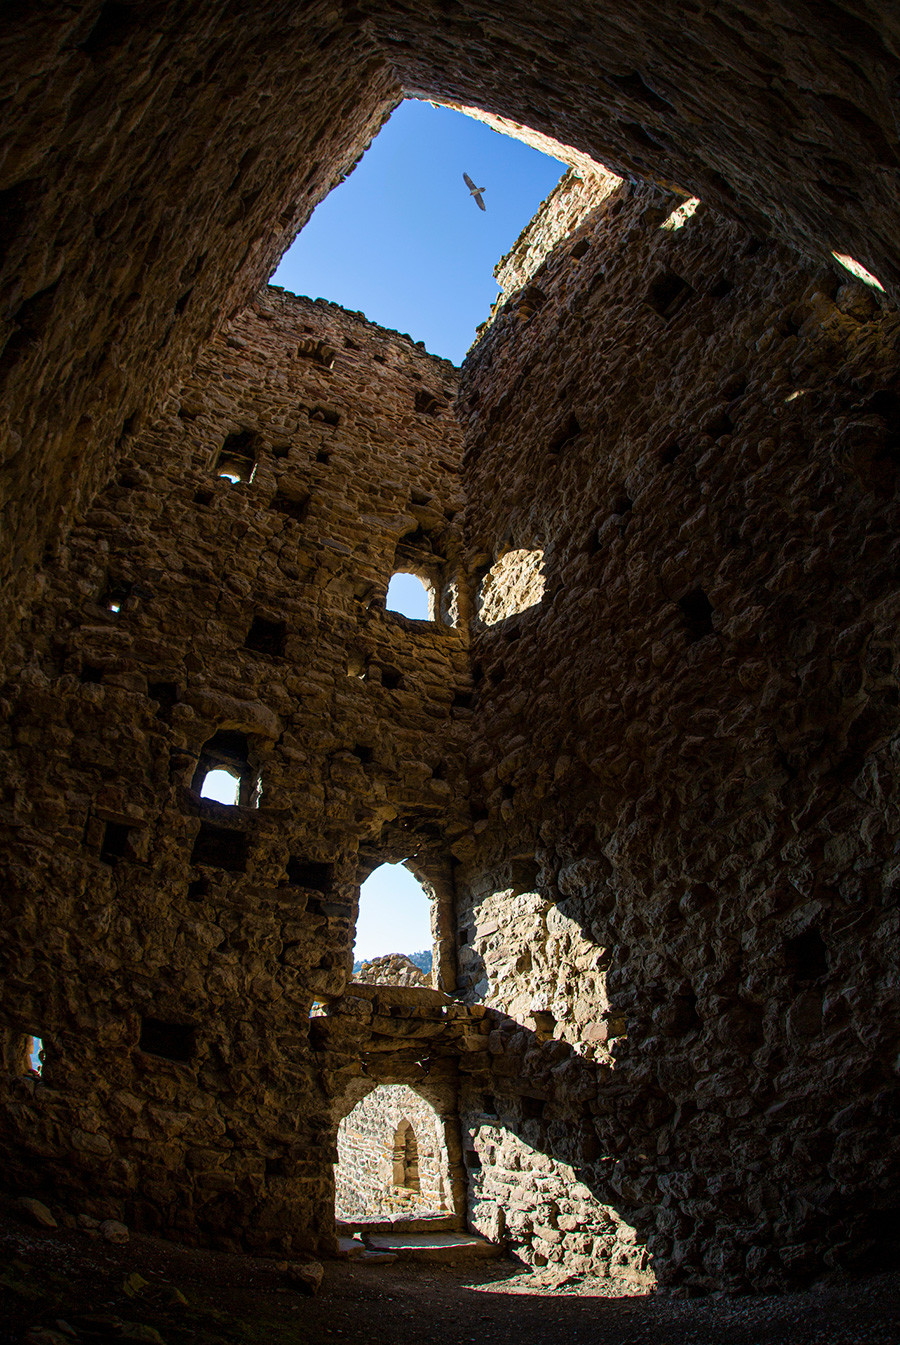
[[393, 1158]]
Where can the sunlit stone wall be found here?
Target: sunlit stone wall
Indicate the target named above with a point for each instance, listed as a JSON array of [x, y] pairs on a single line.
[[680, 893]]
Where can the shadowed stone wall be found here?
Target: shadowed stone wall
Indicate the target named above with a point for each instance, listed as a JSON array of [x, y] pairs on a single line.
[[168, 948], [682, 891], [656, 793], [157, 157]]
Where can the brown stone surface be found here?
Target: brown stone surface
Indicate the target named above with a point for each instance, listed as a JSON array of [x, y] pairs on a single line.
[[392, 969], [178, 944], [644, 759], [156, 159], [681, 891]]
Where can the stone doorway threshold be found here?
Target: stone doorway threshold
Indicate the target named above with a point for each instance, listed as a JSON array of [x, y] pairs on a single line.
[[440, 1240]]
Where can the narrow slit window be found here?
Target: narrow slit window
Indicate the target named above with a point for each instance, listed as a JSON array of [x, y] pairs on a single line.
[[406, 1157], [34, 1050], [237, 458]]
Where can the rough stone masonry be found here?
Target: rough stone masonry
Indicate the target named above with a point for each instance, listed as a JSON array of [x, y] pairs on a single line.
[[652, 797], [643, 758]]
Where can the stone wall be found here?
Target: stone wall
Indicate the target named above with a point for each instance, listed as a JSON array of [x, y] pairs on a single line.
[[158, 157], [651, 787], [391, 969], [168, 948], [366, 1179], [680, 895]]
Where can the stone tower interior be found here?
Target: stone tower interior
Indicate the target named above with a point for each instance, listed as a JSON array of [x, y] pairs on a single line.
[[650, 779]]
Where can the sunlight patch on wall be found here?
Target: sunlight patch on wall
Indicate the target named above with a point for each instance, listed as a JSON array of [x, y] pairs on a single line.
[[681, 214], [513, 583], [859, 271]]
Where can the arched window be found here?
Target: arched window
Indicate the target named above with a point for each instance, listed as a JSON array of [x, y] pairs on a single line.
[[393, 931], [410, 596], [225, 772], [406, 1157]]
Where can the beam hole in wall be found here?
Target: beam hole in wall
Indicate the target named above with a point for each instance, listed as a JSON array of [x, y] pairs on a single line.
[[393, 1158], [165, 694], [393, 942], [221, 848], [116, 843], [669, 452], [325, 415], [410, 596], [292, 501], [169, 1041], [697, 612], [320, 352], [668, 292], [565, 434], [427, 404], [312, 874], [266, 637], [806, 956], [514, 583]]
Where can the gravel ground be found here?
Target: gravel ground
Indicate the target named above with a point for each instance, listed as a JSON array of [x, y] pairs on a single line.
[[161, 1294]]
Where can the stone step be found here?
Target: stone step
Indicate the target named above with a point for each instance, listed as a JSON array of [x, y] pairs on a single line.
[[445, 1248], [403, 1223]]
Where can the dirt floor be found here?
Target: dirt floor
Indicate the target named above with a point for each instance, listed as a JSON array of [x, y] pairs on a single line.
[[65, 1287]]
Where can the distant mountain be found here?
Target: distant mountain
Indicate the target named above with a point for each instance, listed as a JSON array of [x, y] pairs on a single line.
[[422, 960]]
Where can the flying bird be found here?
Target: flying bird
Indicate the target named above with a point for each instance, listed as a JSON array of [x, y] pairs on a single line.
[[475, 191]]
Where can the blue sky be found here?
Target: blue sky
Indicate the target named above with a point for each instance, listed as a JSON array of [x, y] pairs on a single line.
[[394, 914], [402, 240], [408, 595]]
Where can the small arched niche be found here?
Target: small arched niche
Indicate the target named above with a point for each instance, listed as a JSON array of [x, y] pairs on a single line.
[[514, 583], [393, 1158], [226, 771], [406, 1157]]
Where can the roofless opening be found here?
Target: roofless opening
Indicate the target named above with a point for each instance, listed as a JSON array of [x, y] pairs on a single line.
[[393, 931], [403, 239]]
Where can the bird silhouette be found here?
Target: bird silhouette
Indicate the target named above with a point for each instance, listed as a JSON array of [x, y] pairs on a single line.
[[475, 192]]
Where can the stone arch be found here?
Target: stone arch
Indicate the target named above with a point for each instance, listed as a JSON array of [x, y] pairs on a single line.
[[400, 1164], [433, 870], [787, 124]]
